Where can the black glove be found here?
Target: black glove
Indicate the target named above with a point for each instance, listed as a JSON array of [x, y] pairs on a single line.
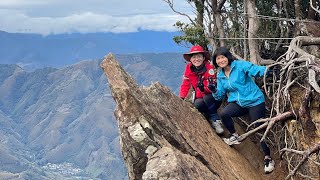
[[212, 85], [200, 86]]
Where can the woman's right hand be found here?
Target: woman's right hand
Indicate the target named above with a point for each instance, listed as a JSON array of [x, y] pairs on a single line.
[[200, 86]]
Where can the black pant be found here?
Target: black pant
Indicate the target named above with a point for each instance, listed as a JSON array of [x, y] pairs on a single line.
[[234, 110], [207, 105]]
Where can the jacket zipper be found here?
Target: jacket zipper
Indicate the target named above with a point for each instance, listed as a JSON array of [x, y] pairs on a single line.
[[234, 89]]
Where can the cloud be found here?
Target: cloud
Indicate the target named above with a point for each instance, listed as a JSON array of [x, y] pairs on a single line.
[[34, 16]]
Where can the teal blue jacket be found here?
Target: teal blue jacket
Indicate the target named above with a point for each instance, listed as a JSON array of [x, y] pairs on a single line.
[[240, 86]]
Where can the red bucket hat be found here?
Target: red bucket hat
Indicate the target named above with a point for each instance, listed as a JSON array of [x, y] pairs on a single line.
[[194, 50]]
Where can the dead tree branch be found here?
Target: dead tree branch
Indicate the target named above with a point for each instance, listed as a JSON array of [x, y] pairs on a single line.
[[317, 10], [171, 5], [306, 154], [294, 63], [267, 123]]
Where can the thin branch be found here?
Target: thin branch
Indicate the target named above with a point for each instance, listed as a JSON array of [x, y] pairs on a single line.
[[317, 10], [306, 154], [268, 123], [312, 80], [170, 3], [220, 4]]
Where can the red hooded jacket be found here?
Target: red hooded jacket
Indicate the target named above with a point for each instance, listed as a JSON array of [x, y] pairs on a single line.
[[192, 78]]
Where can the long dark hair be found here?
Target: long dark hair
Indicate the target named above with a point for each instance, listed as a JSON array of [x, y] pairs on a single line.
[[222, 51]]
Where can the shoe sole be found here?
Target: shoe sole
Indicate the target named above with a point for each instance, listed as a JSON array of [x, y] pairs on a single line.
[[270, 170], [230, 143], [220, 133]]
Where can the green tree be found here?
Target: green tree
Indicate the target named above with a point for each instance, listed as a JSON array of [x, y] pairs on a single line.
[[261, 27]]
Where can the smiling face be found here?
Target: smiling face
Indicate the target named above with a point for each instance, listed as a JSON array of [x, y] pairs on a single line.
[[197, 59], [222, 61]]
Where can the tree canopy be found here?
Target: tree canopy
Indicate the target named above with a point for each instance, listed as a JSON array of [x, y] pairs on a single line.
[[263, 25]]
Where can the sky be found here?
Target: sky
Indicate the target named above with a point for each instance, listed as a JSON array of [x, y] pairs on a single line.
[[88, 16]]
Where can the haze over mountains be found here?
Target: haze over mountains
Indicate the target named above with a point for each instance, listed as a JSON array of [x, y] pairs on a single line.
[[59, 122], [32, 50]]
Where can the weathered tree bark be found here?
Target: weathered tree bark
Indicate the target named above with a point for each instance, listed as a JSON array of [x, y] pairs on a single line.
[[216, 7], [311, 10], [298, 15], [200, 17], [200, 11], [252, 31], [297, 9], [245, 49]]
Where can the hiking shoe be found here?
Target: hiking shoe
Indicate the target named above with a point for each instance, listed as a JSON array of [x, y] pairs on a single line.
[[217, 125], [268, 165], [233, 139]]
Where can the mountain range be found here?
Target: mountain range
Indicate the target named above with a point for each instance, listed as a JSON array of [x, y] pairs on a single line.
[[56, 110], [58, 123], [32, 51]]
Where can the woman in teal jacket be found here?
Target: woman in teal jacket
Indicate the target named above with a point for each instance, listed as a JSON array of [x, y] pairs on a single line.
[[244, 96]]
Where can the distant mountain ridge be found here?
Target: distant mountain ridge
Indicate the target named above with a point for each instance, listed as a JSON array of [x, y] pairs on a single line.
[[32, 51], [59, 122], [54, 118]]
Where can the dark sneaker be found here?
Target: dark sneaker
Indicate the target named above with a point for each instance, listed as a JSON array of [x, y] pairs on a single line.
[[268, 165], [233, 139]]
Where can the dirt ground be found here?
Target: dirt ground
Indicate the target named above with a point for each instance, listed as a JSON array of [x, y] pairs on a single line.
[[250, 148]]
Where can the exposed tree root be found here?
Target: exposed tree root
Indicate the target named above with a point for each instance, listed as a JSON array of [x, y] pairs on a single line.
[[304, 108], [306, 154], [297, 68]]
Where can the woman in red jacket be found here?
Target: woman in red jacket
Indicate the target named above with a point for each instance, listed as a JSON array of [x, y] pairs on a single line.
[[198, 74]]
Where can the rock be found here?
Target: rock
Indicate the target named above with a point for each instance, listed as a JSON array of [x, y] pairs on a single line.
[[164, 137]]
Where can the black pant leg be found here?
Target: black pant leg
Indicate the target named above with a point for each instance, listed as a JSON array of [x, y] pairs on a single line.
[[231, 110], [200, 105], [211, 103], [255, 113]]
